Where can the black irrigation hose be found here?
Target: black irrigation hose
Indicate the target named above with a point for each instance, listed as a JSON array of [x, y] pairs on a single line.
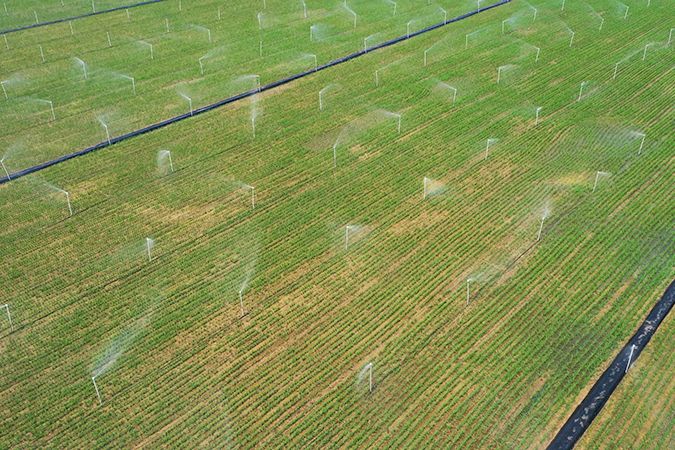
[[591, 405], [81, 16], [241, 96]]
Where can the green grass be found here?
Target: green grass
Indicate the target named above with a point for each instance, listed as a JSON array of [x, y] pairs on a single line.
[[505, 371], [21, 13], [28, 128]]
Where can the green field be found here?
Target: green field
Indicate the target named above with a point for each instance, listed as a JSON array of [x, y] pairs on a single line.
[[107, 94], [22, 13], [175, 363]]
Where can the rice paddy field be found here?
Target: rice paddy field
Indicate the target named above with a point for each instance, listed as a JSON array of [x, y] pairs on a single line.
[[439, 244]]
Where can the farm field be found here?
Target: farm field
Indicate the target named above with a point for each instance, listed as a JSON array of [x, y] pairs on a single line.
[[137, 73], [22, 13], [372, 217], [640, 413]]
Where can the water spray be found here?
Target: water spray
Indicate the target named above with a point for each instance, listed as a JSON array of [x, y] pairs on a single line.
[[350, 11], [626, 58], [165, 155], [347, 228], [368, 367], [105, 126], [204, 29], [321, 93], [51, 106], [98, 394], [9, 316], [642, 142], [365, 42], [393, 3], [630, 357], [598, 174], [536, 115], [42, 54], [241, 302], [489, 142], [644, 53], [451, 88], [581, 89], [398, 117], [83, 65], [316, 61], [544, 216], [133, 82], [2, 163], [149, 243], [149, 45], [70, 206], [541, 227], [189, 101]]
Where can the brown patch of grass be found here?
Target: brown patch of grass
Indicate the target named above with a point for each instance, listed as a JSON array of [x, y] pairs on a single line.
[[572, 179], [425, 220]]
